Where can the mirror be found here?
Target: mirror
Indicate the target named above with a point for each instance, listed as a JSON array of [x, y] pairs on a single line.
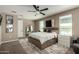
[[9, 23]]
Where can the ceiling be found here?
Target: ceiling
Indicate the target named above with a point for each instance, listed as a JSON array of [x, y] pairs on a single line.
[[22, 10]]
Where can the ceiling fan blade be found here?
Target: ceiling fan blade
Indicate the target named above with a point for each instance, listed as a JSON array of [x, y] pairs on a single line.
[[35, 7], [31, 11], [44, 9], [42, 13]]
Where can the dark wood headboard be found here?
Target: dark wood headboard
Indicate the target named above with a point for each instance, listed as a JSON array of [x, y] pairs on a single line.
[[50, 29]]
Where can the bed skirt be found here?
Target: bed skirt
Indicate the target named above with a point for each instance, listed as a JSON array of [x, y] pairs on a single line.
[[38, 44]]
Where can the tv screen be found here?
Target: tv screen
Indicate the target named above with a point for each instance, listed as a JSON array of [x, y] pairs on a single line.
[[48, 23]]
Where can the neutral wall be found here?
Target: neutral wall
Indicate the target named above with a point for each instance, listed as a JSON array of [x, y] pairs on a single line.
[[27, 23], [75, 20], [36, 23], [9, 36], [13, 36], [0, 34]]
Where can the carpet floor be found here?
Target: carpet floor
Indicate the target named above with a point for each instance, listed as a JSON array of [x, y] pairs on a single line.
[[22, 46], [12, 48], [54, 49]]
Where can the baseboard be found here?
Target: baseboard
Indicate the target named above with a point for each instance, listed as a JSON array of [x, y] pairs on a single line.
[[9, 41]]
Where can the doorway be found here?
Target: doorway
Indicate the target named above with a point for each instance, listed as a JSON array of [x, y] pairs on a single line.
[[20, 28]]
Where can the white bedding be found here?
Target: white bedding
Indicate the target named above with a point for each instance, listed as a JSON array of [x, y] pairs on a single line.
[[43, 36]]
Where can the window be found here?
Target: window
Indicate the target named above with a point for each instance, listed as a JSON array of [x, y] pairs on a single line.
[[27, 29], [65, 25], [31, 28], [41, 25]]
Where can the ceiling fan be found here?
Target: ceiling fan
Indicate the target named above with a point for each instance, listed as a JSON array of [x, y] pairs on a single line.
[[38, 11]]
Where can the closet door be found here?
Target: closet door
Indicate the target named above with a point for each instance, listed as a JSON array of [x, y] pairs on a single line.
[[20, 28]]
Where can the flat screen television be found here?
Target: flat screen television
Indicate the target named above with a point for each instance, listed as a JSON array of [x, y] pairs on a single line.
[[48, 23]]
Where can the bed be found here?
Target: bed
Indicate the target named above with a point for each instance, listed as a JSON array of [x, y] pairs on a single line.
[[42, 39]]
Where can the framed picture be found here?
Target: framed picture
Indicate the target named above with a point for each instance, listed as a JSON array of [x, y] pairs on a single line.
[[9, 23]]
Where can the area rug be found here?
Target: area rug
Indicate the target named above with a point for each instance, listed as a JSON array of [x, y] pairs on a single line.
[[12, 48], [54, 49]]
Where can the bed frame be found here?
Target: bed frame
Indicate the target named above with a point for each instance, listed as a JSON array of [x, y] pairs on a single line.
[[38, 44]]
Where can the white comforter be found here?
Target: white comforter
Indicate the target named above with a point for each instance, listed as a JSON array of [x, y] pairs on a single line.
[[43, 36]]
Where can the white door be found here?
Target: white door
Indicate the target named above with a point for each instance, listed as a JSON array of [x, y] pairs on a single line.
[[20, 28]]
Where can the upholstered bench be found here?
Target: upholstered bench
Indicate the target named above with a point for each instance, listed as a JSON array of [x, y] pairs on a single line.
[[75, 46]]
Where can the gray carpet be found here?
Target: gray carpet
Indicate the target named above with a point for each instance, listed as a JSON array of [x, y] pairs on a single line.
[[12, 48], [54, 49], [22, 46]]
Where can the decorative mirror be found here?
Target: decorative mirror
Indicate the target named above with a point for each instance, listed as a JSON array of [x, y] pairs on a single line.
[[9, 23]]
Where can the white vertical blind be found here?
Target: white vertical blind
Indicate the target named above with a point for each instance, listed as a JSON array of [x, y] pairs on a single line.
[[41, 25], [31, 28], [27, 29], [65, 25]]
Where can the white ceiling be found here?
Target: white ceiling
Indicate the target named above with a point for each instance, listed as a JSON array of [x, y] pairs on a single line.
[[22, 10]]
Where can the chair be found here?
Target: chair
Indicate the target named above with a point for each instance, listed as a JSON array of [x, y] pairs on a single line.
[[75, 45]]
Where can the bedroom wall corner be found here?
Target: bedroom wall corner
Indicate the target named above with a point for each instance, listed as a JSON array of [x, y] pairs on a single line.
[[75, 20], [9, 36]]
